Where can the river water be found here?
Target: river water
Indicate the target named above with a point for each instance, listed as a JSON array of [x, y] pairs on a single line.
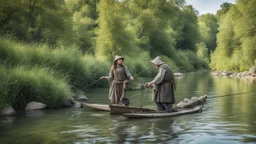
[[224, 120]]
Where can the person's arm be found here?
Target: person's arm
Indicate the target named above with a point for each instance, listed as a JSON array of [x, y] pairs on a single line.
[[110, 76], [158, 79], [128, 74]]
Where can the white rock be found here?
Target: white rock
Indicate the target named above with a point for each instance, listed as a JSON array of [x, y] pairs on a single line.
[[35, 106], [8, 111]]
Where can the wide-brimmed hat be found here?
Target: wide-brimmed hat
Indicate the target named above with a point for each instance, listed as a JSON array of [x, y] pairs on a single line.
[[118, 57], [157, 61]]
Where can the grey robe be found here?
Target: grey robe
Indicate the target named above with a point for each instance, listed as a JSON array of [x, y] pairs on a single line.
[[164, 85], [118, 83]]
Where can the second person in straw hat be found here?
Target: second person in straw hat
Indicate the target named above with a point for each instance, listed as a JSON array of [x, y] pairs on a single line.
[[119, 77]]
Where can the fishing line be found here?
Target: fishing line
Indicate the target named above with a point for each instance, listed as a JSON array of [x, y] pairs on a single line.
[[142, 99], [212, 97]]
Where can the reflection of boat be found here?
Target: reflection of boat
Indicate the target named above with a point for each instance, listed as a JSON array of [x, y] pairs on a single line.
[[102, 107], [118, 109], [157, 114]]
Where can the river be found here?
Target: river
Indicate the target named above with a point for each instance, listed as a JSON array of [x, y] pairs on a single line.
[[224, 120]]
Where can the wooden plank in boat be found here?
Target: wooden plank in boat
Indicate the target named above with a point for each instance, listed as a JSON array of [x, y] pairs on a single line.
[[118, 109]]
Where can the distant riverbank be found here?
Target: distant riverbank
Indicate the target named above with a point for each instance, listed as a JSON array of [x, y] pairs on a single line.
[[250, 74]]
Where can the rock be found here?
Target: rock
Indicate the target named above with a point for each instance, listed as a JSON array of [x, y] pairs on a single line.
[[181, 105], [35, 106], [226, 73], [202, 99], [81, 98], [9, 111], [252, 70], [67, 103], [75, 103], [195, 101], [178, 74]]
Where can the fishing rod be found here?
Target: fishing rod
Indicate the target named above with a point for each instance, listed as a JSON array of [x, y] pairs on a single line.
[[234, 94], [100, 79]]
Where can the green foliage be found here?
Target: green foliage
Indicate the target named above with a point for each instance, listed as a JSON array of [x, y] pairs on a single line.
[[236, 39], [202, 50], [189, 33], [73, 42], [46, 21], [208, 30], [23, 84], [112, 35]]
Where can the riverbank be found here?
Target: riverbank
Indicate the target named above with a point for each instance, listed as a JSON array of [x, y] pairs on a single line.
[[250, 74]]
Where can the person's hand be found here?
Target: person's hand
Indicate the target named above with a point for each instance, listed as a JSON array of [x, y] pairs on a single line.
[[148, 84], [131, 78], [103, 77]]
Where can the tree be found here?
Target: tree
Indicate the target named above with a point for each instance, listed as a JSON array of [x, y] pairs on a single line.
[[113, 37], [208, 28], [189, 34]]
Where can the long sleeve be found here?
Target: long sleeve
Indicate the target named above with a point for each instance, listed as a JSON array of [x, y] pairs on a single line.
[[128, 74], [111, 75], [159, 77]]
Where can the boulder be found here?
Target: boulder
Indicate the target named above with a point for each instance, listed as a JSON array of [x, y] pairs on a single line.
[[8, 111], [178, 74], [81, 98], [67, 103], [181, 105], [75, 103], [252, 70], [35, 106]]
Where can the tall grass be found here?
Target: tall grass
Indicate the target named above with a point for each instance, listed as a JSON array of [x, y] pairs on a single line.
[[37, 72], [22, 84]]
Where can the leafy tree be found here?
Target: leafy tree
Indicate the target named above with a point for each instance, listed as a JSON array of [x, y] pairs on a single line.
[[208, 28], [189, 33], [113, 37]]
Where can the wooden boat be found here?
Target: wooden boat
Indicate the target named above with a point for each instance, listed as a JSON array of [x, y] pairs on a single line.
[[102, 107], [158, 115], [117, 109]]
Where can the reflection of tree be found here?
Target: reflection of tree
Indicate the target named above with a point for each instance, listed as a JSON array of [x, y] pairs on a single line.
[[193, 84], [238, 108]]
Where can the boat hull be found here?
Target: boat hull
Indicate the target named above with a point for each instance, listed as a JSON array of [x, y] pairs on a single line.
[[158, 115]]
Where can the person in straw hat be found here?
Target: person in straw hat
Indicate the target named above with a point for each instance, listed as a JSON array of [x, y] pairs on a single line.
[[164, 86], [119, 76]]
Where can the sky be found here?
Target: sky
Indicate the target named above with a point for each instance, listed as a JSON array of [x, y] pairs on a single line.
[[207, 6]]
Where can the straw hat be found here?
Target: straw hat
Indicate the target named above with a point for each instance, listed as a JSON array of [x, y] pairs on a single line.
[[118, 57], [157, 61]]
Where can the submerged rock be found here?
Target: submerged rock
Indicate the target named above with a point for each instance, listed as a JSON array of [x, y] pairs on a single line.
[[9, 111], [35, 106]]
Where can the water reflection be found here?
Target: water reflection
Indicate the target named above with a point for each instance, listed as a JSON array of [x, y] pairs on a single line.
[[229, 119]]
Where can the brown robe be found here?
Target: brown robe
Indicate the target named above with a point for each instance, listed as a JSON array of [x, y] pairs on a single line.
[[118, 82], [164, 85]]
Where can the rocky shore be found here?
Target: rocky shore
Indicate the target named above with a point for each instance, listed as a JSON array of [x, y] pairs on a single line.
[[251, 74]]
